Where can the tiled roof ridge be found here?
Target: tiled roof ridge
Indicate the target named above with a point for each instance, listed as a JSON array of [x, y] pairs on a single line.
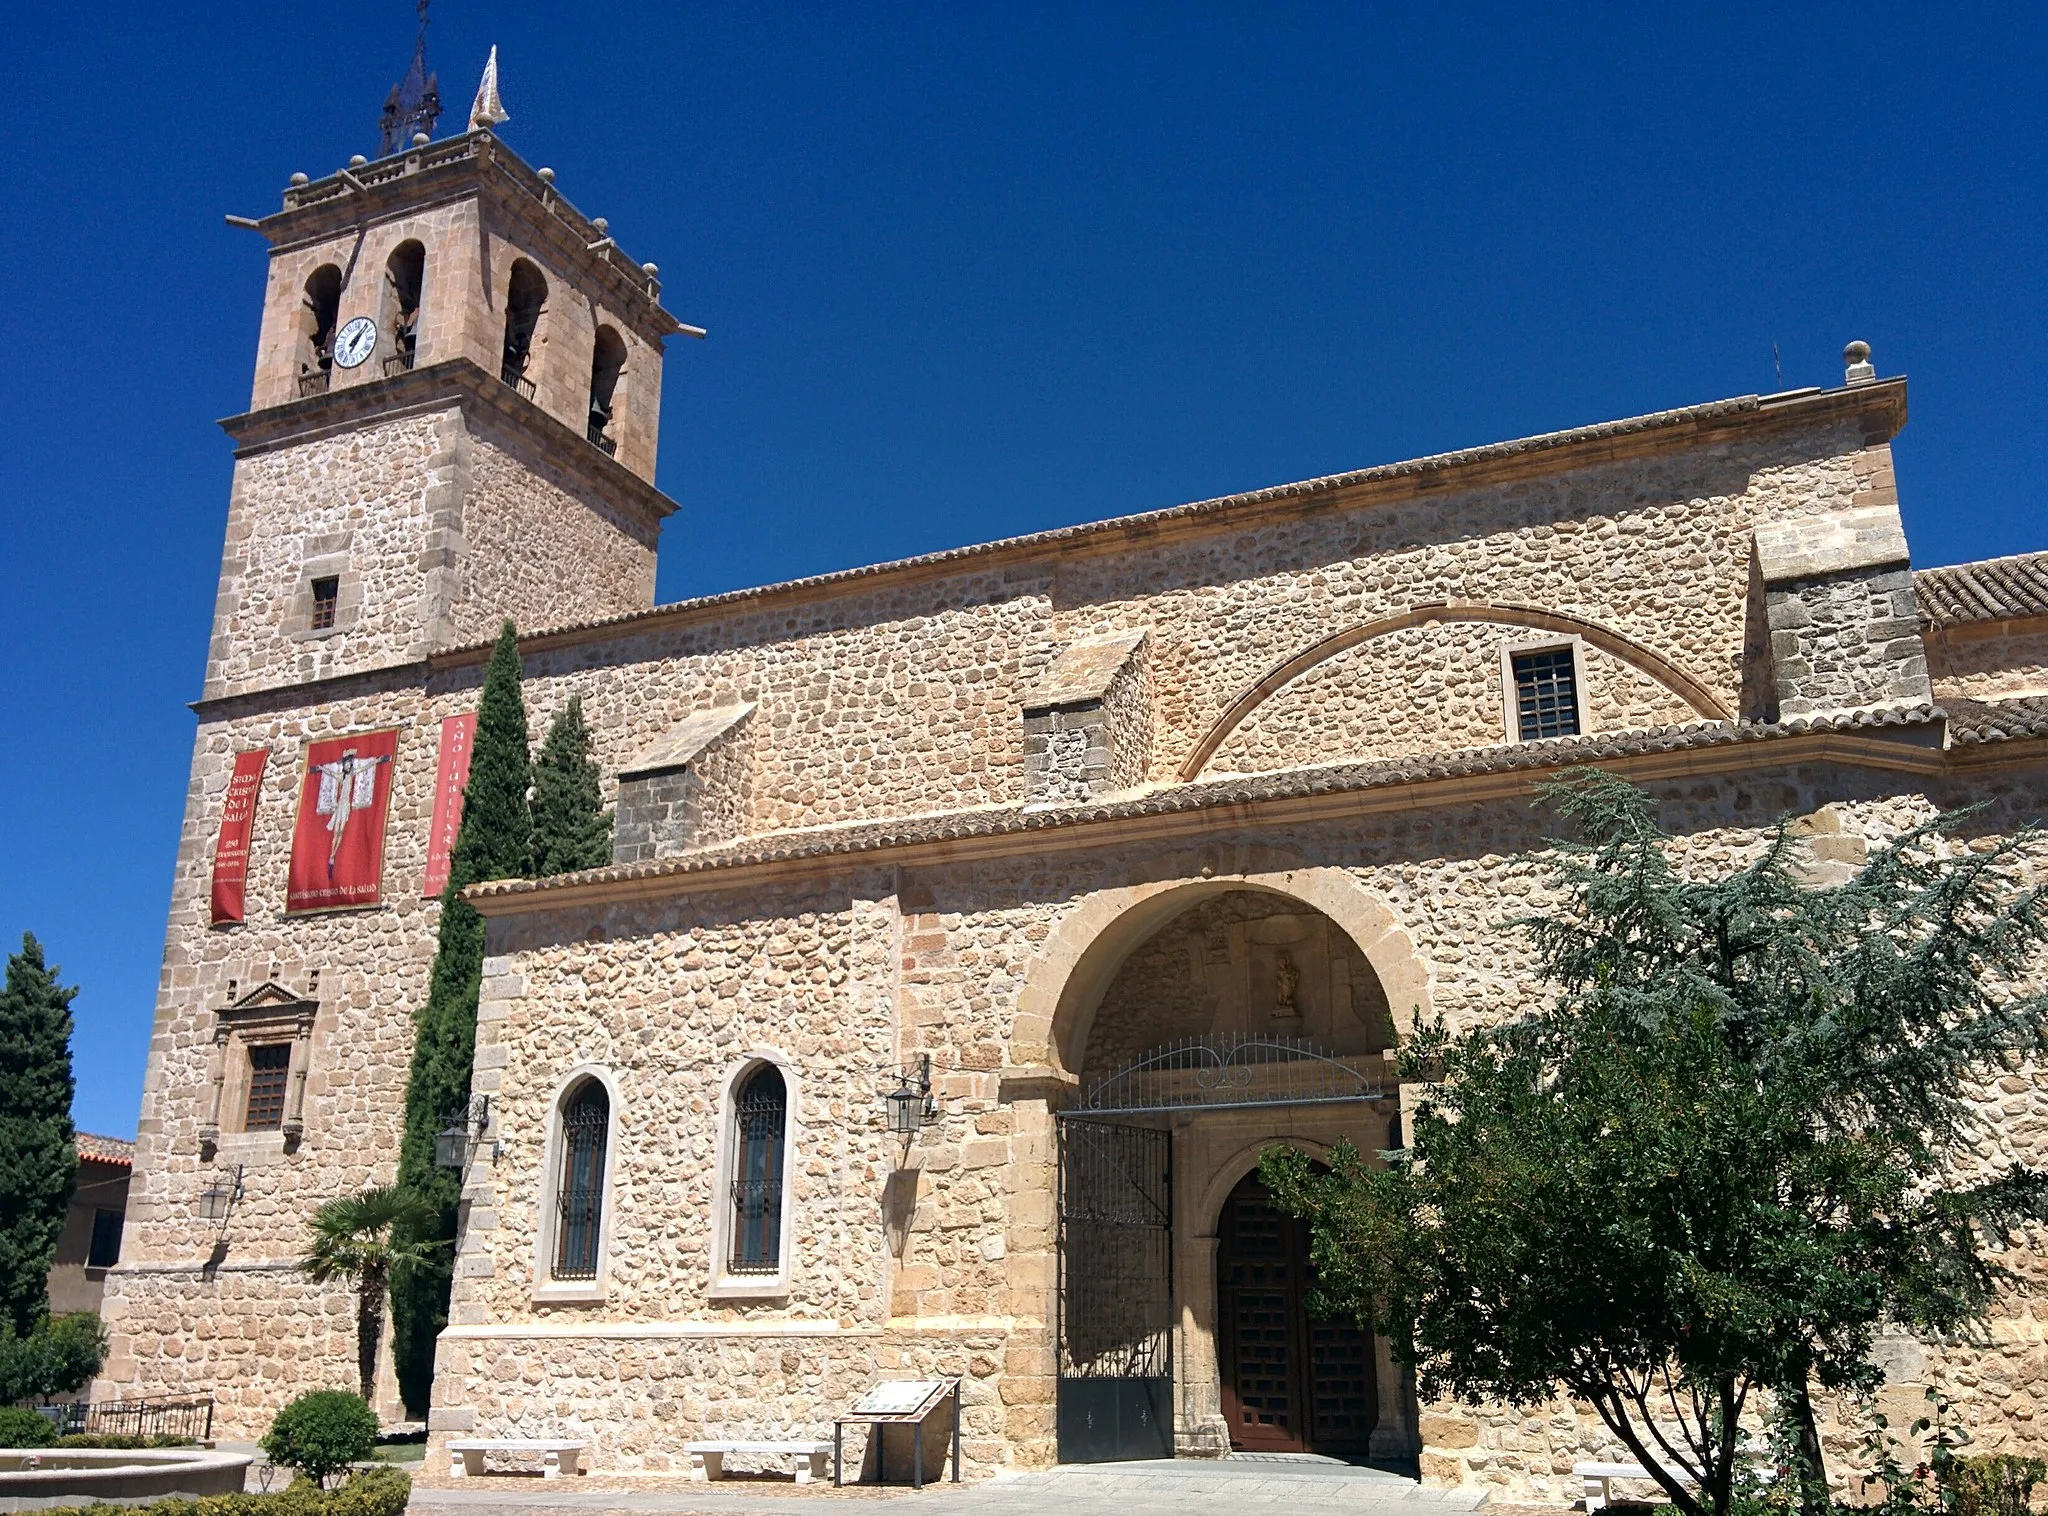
[[1140, 521], [104, 1149], [1990, 589], [1998, 718], [1223, 790]]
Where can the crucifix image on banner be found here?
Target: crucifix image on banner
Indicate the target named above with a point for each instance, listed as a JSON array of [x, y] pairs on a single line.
[[338, 843]]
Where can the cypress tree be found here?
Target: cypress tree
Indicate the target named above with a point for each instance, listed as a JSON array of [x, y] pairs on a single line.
[[495, 842], [38, 1157], [571, 829]]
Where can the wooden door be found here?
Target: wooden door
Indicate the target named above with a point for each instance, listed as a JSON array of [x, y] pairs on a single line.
[[1290, 1385]]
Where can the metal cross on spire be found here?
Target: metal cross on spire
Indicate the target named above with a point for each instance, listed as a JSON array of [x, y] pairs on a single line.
[[414, 104]]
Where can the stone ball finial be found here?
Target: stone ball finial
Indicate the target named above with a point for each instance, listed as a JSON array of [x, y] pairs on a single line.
[[299, 179], [357, 160], [604, 227], [650, 270], [420, 139], [547, 176], [1856, 352], [1859, 369]]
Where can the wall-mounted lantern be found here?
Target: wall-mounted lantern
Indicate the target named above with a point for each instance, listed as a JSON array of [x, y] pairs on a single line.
[[217, 1200], [458, 1142], [910, 1104]]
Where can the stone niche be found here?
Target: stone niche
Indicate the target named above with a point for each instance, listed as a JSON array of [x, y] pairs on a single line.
[[1245, 962], [1087, 724], [687, 791]]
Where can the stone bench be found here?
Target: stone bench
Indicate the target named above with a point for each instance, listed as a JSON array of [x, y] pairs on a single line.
[[807, 1459], [558, 1455], [1598, 1476]]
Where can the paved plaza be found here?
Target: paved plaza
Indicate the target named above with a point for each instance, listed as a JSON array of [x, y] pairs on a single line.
[[1163, 1488]]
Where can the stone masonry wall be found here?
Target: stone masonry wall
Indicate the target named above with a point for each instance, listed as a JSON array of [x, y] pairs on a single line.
[[924, 1248], [1840, 643], [919, 1254], [1977, 667]]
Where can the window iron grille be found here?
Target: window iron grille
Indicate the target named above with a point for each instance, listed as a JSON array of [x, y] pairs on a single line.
[[1546, 694], [269, 1069], [759, 1120], [326, 598], [585, 1125]]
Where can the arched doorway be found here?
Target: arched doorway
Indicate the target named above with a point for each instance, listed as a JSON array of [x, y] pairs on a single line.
[[1291, 1384], [1248, 1017]]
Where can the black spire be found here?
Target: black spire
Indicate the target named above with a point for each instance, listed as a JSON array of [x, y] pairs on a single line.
[[414, 104]]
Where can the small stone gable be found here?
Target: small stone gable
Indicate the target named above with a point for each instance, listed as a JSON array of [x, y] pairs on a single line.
[[686, 791], [1087, 723]]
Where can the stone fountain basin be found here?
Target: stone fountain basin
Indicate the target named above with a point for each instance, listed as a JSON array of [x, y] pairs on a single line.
[[32, 1478]]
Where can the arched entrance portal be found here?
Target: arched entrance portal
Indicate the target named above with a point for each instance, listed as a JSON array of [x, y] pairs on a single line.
[[1246, 1019], [1290, 1384]]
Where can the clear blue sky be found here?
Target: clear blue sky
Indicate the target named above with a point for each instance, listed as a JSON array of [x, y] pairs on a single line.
[[970, 273]]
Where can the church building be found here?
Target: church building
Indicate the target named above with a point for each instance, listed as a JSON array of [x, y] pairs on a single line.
[[975, 920]]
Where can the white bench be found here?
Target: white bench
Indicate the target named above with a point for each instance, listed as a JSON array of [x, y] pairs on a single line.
[[558, 1455], [807, 1459], [1597, 1477]]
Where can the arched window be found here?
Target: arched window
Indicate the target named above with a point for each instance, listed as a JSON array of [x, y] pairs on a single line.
[[405, 274], [526, 296], [760, 1117], [579, 1190], [607, 362], [316, 329]]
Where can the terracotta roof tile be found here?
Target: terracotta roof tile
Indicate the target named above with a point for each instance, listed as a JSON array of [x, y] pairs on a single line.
[[1997, 720], [1997, 589], [105, 1149]]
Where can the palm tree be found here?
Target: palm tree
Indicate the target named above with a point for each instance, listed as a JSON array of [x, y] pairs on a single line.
[[366, 1239]]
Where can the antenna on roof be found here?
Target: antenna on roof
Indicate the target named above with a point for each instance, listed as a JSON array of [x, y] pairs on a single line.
[[1777, 367], [414, 104]]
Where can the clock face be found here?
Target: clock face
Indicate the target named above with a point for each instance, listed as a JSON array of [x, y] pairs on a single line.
[[355, 342]]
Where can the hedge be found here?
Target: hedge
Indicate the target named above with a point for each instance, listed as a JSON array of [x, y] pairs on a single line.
[[369, 1492]]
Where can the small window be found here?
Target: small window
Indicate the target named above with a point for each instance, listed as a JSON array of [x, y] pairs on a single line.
[[586, 1120], [106, 1240], [1546, 694], [326, 596], [760, 1115], [269, 1067]]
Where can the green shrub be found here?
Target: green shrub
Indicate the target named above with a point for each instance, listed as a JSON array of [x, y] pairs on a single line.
[[122, 1440], [1995, 1484], [322, 1433], [59, 1356], [22, 1428], [371, 1492]]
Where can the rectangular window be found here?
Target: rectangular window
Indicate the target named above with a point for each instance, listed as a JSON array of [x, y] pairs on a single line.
[[1546, 694], [326, 596], [106, 1240], [269, 1066]]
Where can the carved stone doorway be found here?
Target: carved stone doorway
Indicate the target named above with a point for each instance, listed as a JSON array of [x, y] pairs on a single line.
[[1291, 1384]]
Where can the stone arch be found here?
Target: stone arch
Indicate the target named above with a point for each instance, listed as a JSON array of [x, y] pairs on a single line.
[[1065, 982], [1653, 665], [1207, 1208]]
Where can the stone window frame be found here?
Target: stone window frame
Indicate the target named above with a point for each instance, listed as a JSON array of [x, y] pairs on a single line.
[[339, 566], [724, 1283], [267, 1016], [1511, 729], [548, 1290]]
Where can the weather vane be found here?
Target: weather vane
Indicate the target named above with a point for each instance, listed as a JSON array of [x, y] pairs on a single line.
[[414, 104]]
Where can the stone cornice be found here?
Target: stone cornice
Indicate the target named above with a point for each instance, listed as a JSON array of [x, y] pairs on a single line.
[[475, 166], [1879, 408], [1902, 739], [436, 386]]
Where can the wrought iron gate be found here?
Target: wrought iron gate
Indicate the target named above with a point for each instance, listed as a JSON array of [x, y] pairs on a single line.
[[1115, 1311]]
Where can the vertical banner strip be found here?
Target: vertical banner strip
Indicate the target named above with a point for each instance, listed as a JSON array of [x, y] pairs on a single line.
[[451, 777], [338, 839], [231, 851]]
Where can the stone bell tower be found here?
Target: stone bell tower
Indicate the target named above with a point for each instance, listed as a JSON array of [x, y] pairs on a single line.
[[454, 419]]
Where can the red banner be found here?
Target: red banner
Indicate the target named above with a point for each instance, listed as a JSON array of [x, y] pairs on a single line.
[[458, 736], [338, 843], [231, 851]]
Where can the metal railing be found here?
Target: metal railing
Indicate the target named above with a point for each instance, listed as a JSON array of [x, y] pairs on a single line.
[[149, 1416], [314, 381], [1230, 1068], [517, 380]]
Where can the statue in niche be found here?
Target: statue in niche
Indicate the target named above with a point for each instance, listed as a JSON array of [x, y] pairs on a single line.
[[1286, 980]]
